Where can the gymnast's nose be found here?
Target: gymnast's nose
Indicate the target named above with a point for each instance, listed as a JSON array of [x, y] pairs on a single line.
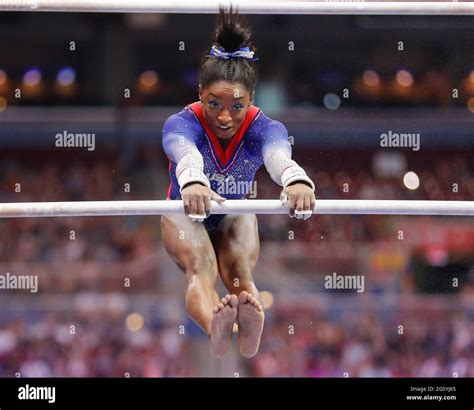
[[224, 118]]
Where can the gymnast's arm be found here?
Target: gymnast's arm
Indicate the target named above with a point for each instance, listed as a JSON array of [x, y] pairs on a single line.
[[298, 188], [180, 137]]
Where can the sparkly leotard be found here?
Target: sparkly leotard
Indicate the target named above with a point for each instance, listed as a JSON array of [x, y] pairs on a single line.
[[231, 171]]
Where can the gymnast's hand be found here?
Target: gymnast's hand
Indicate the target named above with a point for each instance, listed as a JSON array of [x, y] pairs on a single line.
[[300, 199], [197, 201]]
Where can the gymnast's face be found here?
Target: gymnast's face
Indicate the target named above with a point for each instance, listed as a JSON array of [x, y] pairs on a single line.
[[225, 105]]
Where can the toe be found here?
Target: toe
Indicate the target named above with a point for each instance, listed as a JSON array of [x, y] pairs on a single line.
[[243, 296], [220, 306], [224, 301], [234, 300]]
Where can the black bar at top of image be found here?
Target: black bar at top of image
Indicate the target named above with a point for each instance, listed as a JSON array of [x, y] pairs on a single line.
[[240, 393]]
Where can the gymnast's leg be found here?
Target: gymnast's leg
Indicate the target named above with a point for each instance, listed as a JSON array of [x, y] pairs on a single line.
[[237, 246], [189, 245]]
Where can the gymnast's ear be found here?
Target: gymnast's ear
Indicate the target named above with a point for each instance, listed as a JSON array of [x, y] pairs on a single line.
[[200, 93]]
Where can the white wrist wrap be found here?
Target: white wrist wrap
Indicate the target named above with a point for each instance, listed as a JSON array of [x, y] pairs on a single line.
[[293, 174], [189, 169], [192, 175]]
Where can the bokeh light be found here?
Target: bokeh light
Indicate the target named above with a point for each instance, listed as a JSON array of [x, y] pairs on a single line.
[[32, 77], [149, 78], [3, 104], [411, 180], [134, 322], [470, 104], [267, 298], [3, 77], [404, 78], [66, 76], [371, 78], [332, 101]]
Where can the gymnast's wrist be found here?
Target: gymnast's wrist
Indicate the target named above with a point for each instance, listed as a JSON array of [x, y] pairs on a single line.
[[300, 181], [296, 174], [192, 175], [187, 185]]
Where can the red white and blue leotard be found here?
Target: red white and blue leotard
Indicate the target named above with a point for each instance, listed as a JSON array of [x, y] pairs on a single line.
[[256, 138]]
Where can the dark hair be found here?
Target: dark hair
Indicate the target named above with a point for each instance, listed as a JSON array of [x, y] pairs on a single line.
[[231, 32]]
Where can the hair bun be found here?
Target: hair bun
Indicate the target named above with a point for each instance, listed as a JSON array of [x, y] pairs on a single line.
[[232, 31]]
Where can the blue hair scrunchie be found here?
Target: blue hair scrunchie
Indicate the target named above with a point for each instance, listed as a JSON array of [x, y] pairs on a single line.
[[244, 53]]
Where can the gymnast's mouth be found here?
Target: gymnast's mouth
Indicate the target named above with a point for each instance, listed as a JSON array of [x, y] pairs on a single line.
[[224, 131]]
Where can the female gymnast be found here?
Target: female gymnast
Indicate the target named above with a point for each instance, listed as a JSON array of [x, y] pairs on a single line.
[[212, 145]]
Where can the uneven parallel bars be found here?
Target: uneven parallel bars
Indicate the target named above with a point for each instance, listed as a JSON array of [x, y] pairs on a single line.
[[251, 206], [245, 6]]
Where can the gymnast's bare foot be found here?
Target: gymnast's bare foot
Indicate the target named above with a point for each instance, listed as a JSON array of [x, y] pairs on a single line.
[[250, 320], [224, 316]]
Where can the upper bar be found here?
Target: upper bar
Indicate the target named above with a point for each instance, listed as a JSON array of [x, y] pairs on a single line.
[[254, 206], [245, 6]]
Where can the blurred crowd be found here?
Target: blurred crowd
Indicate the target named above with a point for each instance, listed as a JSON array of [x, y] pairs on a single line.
[[420, 343], [100, 239], [69, 344], [441, 179], [298, 341]]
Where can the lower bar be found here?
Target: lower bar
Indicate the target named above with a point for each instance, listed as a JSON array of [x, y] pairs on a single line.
[[251, 206]]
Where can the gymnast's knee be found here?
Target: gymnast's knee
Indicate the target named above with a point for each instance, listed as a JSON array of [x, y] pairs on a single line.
[[236, 282], [202, 268]]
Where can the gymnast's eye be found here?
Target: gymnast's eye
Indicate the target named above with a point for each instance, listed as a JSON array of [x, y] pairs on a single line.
[[213, 104], [237, 107]]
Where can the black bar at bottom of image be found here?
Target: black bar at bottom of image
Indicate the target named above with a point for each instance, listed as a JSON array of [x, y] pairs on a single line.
[[236, 393]]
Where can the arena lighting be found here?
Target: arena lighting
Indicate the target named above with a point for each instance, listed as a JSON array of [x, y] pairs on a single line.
[[66, 76], [371, 78], [3, 77], [267, 298], [149, 79], [411, 180], [470, 104], [3, 103], [32, 77], [404, 78], [245, 7], [254, 206], [134, 322]]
